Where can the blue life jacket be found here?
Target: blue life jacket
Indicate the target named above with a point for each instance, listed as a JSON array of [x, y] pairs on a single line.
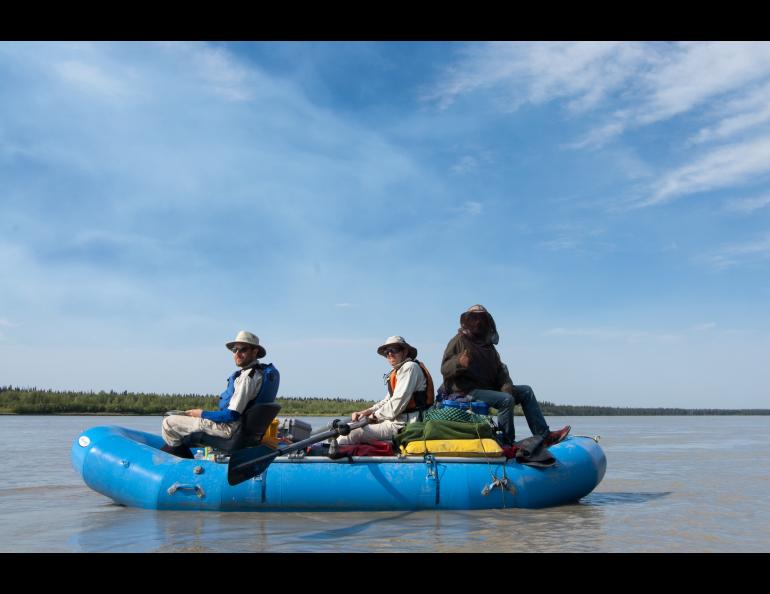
[[267, 391]]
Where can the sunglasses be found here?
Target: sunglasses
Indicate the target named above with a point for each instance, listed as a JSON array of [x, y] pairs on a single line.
[[391, 351], [237, 350]]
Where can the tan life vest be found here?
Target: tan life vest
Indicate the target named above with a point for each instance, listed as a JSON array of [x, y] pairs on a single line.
[[421, 400]]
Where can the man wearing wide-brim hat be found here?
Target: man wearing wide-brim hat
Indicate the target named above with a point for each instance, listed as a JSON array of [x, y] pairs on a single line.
[[410, 391], [243, 387]]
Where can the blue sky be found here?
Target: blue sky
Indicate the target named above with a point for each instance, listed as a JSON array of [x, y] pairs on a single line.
[[609, 203]]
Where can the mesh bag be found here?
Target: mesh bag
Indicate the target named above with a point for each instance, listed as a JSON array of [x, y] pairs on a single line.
[[449, 413]]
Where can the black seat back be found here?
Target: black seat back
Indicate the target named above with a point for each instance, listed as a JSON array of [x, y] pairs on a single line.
[[256, 421], [254, 424]]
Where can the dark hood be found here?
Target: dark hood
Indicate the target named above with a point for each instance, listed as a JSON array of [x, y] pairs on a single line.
[[491, 337]]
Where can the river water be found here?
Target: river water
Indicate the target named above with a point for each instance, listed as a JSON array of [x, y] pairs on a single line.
[[673, 484]]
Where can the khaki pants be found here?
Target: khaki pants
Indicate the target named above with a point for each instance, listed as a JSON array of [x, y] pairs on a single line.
[[176, 427], [382, 431]]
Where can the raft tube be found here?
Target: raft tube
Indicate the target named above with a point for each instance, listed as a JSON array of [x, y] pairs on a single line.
[[128, 466]]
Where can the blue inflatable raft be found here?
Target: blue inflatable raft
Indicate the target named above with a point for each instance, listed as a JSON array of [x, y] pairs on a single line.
[[128, 466]]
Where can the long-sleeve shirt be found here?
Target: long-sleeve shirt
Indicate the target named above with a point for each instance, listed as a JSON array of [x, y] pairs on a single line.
[[409, 378]]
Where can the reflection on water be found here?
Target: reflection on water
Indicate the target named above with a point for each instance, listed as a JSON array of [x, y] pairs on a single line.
[[115, 528], [355, 529], [620, 498], [499, 530], [664, 490]]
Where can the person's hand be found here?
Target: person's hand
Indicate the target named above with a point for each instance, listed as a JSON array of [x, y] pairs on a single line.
[[194, 412], [357, 415], [372, 419], [464, 358]]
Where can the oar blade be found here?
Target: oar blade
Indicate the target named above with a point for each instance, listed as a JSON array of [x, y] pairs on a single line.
[[248, 463]]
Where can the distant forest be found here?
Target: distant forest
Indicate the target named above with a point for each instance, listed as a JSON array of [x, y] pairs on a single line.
[[32, 401]]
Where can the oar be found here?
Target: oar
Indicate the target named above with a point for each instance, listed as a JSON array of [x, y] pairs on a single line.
[[330, 426], [250, 462]]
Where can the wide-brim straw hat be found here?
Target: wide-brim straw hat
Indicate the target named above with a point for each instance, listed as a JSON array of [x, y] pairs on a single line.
[[248, 338], [398, 340]]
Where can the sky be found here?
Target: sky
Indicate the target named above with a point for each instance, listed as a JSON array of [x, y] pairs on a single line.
[[608, 203]]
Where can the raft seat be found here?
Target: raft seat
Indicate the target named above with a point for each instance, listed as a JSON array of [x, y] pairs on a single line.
[[254, 424]]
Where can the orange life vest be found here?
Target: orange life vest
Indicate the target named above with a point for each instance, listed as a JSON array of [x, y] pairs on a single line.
[[421, 400]]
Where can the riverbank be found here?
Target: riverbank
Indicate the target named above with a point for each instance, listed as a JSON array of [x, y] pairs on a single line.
[[33, 401]]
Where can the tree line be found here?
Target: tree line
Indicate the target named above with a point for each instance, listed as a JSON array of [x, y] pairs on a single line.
[[568, 410], [34, 401]]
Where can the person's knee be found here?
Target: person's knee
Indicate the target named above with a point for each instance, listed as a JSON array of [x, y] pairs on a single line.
[[524, 394], [505, 401]]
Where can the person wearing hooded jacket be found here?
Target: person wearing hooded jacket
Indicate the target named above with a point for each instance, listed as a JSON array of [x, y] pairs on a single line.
[[471, 367], [392, 413]]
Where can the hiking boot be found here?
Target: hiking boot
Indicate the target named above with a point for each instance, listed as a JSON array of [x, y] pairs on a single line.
[[555, 437], [181, 451]]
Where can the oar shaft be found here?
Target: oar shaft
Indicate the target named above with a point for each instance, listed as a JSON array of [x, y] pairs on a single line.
[[335, 432]]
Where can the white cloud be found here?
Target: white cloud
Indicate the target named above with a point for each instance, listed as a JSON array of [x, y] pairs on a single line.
[[690, 73], [646, 82], [572, 236], [6, 324], [465, 164], [616, 334], [539, 72], [560, 244], [90, 78], [218, 69], [598, 136], [747, 205], [732, 255], [730, 126], [722, 167], [633, 335], [470, 208]]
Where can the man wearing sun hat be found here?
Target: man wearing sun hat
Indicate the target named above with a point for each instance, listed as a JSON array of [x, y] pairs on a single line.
[[243, 387], [410, 391]]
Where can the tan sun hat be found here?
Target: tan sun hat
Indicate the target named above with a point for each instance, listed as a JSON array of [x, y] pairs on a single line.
[[248, 338], [398, 340]]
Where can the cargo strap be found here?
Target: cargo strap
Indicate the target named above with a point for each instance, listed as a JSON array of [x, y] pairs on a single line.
[[432, 474], [503, 483]]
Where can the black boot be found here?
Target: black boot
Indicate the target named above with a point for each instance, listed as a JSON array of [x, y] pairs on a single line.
[[180, 451]]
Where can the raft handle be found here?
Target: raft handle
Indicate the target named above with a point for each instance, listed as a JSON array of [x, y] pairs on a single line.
[[503, 483], [197, 488]]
